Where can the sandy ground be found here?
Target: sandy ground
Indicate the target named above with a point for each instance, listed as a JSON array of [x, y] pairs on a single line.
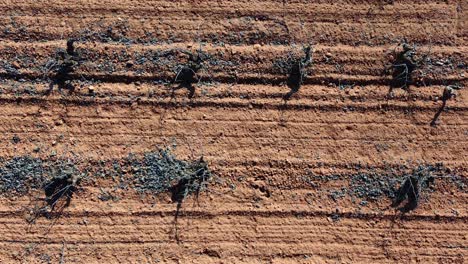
[[259, 209]]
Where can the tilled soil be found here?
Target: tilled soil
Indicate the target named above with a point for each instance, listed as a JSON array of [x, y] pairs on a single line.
[[307, 180]]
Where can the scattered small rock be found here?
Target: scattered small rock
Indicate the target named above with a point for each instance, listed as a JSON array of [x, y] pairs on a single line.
[[91, 90]]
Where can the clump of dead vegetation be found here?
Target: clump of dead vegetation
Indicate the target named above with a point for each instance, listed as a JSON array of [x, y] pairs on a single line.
[[58, 179], [402, 67], [187, 74], [448, 93], [295, 67], [154, 173], [62, 67], [62, 180], [395, 184], [410, 189], [413, 65], [160, 171]]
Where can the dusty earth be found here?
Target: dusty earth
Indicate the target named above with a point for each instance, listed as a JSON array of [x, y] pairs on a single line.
[[298, 181]]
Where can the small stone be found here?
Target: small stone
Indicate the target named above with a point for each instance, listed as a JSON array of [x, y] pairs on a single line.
[[15, 64], [59, 122], [257, 46], [54, 143], [16, 139]]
